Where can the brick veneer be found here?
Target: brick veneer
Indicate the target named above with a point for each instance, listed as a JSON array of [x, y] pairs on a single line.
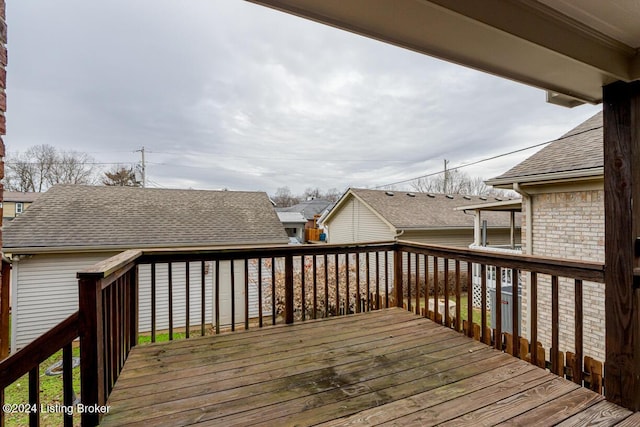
[[569, 225]]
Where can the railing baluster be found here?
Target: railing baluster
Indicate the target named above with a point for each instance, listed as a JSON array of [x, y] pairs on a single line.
[[260, 292], [534, 318], [409, 281], [326, 286], [397, 277], [233, 294], [34, 396], [186, 296], [458, 296], [417, 284], [153, 302], [203, 300], [447, 315], [386, 279], [483, 304], [303, 273], [377, 280], [577, 375], [436, 286], [337, 268], [273, 291], [470, 299], [67, 383], [315, 287], [498, 313], [515, 311], [288, 288], [246, 294], [358, 298], [555, 319], [426, 285], [346, 285], [368, 268], [216, 299], [170, 287]]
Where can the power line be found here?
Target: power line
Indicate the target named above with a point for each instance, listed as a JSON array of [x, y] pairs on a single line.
[[489, 158]]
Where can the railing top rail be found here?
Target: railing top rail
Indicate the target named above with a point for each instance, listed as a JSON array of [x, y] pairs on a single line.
[[38, 350], [107, 267], [222, 253], [583, 270]]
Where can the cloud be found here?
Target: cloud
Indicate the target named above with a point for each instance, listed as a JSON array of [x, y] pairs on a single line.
[[227, 94]]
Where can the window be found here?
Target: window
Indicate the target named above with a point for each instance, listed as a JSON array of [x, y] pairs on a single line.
[[19, 208]]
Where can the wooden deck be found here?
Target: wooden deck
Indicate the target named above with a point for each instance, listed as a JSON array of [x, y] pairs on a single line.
[[388, 367]]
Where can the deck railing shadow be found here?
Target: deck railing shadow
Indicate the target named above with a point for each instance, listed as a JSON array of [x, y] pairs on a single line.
[[211, 291]]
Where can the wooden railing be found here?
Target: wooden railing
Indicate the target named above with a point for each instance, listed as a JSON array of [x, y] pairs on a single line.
[[163, 293], [419, 276]]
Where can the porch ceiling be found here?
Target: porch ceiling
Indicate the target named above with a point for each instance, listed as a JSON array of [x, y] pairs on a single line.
[[569, 48]]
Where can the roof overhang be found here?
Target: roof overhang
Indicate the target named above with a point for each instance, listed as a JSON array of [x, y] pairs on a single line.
[[500, 206], [593, 174], [570, 49]]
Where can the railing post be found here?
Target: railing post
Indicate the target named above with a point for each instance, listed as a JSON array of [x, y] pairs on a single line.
[[288, 288], [621, 106], [397, 276], [91, 345], [4, 308]]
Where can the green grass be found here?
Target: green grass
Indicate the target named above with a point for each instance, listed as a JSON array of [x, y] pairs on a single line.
[[477, 313], [50, 394]]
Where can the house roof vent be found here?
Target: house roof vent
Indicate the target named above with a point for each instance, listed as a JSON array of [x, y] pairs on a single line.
[[431, 195], [411, 194], [449, 196], [483, 198], [466, 197], [389, 193]]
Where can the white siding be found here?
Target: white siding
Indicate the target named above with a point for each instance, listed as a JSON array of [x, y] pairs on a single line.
[[357, 223], [45, 292]]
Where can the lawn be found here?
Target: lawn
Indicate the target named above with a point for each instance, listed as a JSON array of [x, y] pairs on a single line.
[[477, 313]]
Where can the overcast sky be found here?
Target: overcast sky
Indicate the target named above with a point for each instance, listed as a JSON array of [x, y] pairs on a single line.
[[228, 94]]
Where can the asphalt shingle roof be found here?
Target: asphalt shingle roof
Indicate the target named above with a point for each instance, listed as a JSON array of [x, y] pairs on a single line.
[[425, 210], [577, 150], [127, 217], [308, 208]]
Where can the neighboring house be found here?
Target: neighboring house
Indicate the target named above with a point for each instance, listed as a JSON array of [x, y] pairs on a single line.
[[15, 203], [562, 188], [377, 215], [294, 224], [71, 227], [510, 207], [311, 210]]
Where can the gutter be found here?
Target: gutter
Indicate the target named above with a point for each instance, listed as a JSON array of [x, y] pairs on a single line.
[[552, 177]]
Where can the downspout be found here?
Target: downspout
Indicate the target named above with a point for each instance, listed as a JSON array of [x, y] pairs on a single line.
[[529, 250]]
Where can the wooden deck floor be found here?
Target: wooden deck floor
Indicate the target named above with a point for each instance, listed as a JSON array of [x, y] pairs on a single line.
[[388, 367]]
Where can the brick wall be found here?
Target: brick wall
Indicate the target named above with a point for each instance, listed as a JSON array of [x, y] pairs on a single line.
[[570, 225]]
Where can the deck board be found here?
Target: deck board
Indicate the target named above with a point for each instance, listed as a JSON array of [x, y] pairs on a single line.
[[388, 367]]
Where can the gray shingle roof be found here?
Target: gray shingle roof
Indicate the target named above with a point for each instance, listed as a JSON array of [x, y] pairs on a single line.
[[308, 208], [126, 217], [578, 150], [424, 211]]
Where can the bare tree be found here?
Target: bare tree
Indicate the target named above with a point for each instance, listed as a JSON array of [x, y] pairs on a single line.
[[120, 176], [42, 166], [284, 198], [457, 182]]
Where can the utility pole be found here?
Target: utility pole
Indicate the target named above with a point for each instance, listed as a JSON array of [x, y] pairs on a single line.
[[446, 176], [142, 168]]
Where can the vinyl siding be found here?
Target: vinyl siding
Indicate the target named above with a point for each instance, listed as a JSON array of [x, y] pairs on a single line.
[[46, 292], [357, 223]]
